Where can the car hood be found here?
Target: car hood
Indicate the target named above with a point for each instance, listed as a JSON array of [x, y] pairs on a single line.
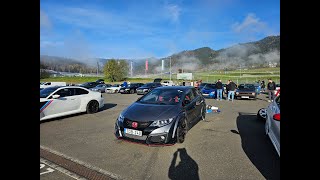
[[150, 112], [143, 88], [113, 88]]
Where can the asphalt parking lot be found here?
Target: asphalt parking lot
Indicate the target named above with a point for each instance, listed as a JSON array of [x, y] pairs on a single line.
[[228, 145]]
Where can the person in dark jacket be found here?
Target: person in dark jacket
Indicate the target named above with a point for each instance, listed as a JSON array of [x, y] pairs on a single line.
[[231, 88], [219, 87], [263, 86], [271, 87]]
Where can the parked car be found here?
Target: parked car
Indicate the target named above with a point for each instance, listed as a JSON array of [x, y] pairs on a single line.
[[114, 88], [209, 88], [131, 88], [101, 87], [271, 115], [277, 88], [61, 101], [258, 88], [162, 116], [148, 87], [52, 84], [167, 83], [100, 81], [202, 85], [245, 91], [89, 85]]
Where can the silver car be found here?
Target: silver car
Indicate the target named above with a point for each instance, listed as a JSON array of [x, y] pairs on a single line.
[[272, 125]]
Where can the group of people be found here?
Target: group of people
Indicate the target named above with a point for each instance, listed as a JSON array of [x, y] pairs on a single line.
[[230, 88]]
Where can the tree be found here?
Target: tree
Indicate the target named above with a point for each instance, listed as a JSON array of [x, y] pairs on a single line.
[[116, 70]]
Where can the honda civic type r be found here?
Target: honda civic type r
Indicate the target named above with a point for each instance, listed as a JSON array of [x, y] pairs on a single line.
[[163, 116], [61, 101]]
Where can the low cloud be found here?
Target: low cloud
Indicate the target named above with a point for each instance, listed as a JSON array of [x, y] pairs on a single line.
[[173, 12], [250, 23]]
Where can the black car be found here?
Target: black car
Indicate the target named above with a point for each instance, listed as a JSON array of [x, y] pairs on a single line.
[[89, 85], [131, 88], [100, 81], [246, 91], [163, 116], [147, 87]]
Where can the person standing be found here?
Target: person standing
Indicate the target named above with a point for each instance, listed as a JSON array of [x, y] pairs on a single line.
[[219, 87], [231, 88], [271, 87], [263, 86]]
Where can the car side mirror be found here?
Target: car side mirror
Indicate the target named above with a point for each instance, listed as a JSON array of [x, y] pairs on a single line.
[[55, 96]]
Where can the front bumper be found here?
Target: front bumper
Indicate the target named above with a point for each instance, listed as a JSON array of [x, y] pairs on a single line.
[[124, 91], [245, 96], [150, 135], [142, 91]]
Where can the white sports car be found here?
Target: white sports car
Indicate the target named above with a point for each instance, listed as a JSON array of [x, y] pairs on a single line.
[[61, 101], [113, 89]]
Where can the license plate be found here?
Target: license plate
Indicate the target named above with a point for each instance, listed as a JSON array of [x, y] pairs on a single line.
[[121, 90], [133, 132], [247, 97]]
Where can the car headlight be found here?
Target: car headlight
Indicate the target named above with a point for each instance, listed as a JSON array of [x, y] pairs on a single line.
[[160, 123], [237, 93], [121, 118], [253, 93]]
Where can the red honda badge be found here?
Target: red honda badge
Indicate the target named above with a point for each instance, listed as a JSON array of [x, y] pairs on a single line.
[[134, 124]]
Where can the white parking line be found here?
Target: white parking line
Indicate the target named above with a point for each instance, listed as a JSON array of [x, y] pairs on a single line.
[[61, 169], [112, 175]]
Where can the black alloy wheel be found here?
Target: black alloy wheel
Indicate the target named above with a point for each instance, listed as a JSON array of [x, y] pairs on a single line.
[[131, 91], [181, 131], [92, 107]]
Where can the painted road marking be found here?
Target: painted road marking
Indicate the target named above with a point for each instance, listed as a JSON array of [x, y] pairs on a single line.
[[86, 165], [60, 169], [48, 170]]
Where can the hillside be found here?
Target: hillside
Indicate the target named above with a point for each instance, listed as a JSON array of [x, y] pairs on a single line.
[[250, 55]]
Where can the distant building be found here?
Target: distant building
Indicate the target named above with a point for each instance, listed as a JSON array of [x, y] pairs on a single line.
[[273, 64]]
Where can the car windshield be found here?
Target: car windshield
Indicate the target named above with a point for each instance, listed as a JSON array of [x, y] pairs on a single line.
[[147, 85], [100, 85], [202, 84], [210, 86], [277, 85], [132, 85], [47, 91], [163, 97], [246, 87]]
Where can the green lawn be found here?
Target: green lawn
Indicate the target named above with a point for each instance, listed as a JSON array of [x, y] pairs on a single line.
[[245, 76]]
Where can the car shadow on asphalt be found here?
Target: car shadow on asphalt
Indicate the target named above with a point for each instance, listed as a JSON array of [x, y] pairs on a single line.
[[186, 169], [107, 106], [257, 145]]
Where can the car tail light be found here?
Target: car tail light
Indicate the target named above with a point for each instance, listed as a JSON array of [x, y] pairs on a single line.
[[276, 117]]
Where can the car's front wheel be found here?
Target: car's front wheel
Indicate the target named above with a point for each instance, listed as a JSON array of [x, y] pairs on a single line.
[[131, 91], [92, 107], [181, 131], [261, 115]]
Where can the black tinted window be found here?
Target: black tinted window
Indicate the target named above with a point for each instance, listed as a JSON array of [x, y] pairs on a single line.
[[189, 97], [65, 92], [79, 91]]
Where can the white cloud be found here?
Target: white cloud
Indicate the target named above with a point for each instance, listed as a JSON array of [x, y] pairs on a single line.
[[250, 23], [173, 12], [44, 20]]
